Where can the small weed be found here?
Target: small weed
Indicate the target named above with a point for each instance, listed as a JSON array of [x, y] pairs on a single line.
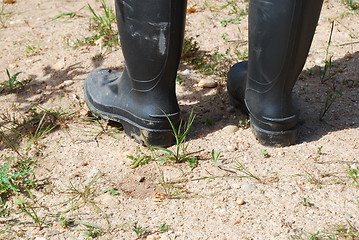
[[192, 162], [91, 230], [351, 83], [225, 36], [179, 80], [244, 123], [29, 209], [327, 74], [173, 188], [42, 121], [320, 150], [164, 227], [105, 128], [206, 63], [313, 180], [68, 14], [141, 157], [341, 231], [247, 174], [351, 4], [215, 158], [331, 97], [190, 48], [15, 177], [354, 174], [140, 231], [32, 50], [4, 15], [12, 83], [234, 8], [102, 24], [66, 222], [213, 64], [112, 191], [265, 153], [180, 153], [32, 125], [84, 192], [306, 202], [4, 210], [242, 55], [225, 21]]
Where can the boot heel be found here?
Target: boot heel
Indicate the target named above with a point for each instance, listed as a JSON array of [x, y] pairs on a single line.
[[274, 138], [149, 137]]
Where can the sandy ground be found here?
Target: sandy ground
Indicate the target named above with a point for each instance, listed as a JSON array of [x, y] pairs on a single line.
[[302, 189]]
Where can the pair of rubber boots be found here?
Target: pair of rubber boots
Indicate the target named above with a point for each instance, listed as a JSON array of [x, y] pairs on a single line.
[[143, 97]]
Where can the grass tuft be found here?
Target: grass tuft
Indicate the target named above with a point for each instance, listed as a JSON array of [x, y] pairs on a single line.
[[102, 23], [12, 83]]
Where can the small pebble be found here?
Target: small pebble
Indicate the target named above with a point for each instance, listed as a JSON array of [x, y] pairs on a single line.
[[13, 65], [16, 22], [207, 83], [66, 83], [186, 72], [319, 61], [84, 112], [240, 201], [281, 190], [91, 175], [230, 129], [231, 148], [248, 187], [51, 233]]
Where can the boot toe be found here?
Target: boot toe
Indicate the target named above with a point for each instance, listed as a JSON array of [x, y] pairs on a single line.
[[236, 84]]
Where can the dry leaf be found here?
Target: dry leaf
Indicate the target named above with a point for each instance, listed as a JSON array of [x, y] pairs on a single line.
[[9, 1], [192, 9]]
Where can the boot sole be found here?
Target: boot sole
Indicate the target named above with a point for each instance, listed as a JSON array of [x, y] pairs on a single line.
[[274, 138], [141, 134]]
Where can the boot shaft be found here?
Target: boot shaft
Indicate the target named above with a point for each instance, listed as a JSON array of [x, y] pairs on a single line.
[[280, 35], [151, 34]]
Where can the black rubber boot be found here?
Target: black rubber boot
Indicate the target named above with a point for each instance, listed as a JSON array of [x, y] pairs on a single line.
[[143, 97], [280, 35]]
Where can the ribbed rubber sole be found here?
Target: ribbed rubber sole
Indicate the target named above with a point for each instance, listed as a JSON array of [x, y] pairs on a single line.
[[141, 134], [274, 138]]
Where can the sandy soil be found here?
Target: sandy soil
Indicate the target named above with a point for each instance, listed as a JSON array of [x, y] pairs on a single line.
[[302, 189]]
